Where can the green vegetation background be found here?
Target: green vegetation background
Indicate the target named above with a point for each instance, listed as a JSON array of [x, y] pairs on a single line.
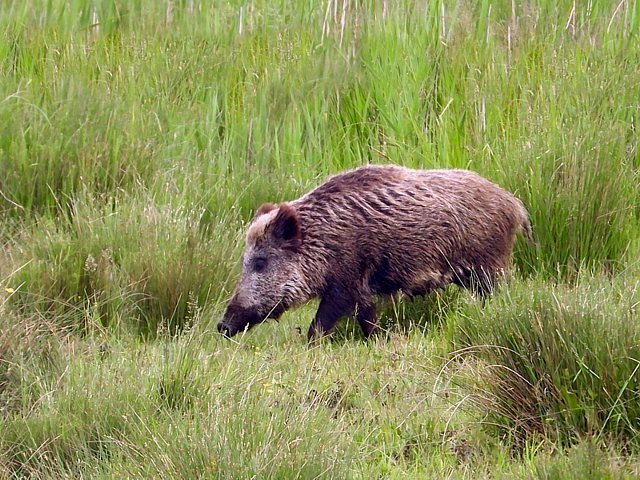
[[138, 137]]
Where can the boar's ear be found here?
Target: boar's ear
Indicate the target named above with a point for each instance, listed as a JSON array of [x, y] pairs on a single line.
[[286, 227], [265, 208]]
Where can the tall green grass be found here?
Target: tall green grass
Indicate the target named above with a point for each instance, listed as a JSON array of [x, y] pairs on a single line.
[[561, 363], [111, 100], [135, 267]]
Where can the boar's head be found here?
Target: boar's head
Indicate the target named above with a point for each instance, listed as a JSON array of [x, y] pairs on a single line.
[[271, 277]]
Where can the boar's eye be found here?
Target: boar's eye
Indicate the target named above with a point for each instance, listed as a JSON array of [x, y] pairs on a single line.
[[259, 264]]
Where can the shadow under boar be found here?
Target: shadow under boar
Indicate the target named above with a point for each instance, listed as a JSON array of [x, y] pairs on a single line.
[[369, 232]]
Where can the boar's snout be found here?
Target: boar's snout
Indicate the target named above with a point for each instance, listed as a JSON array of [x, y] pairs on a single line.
[[229, 329], [225, 330], [237, 319]]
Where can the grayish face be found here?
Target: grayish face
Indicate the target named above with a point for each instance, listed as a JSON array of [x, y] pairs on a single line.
[[270, 279]]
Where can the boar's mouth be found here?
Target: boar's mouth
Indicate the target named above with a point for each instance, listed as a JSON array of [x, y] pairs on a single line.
[[236, 319]]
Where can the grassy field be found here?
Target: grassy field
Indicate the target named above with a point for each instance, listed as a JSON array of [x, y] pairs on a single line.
[[138, 137]]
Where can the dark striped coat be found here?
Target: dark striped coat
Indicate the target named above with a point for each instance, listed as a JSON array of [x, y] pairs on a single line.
[[372, 232]]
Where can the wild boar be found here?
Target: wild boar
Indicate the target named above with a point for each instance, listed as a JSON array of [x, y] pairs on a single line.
[[372, 232]]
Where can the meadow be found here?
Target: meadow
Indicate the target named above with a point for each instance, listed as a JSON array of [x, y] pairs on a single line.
[[138, 137]]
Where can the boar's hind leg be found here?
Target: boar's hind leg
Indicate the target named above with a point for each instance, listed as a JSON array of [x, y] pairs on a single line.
[[335, 304], [479, 280], [482, 283]]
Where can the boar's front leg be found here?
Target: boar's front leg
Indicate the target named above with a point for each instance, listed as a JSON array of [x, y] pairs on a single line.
[[335, 304], [366, 316]]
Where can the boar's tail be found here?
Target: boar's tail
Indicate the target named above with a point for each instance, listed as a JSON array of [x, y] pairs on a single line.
[[525, 225]]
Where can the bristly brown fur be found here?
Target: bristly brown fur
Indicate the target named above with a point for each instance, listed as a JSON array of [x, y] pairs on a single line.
[[377, 230]]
